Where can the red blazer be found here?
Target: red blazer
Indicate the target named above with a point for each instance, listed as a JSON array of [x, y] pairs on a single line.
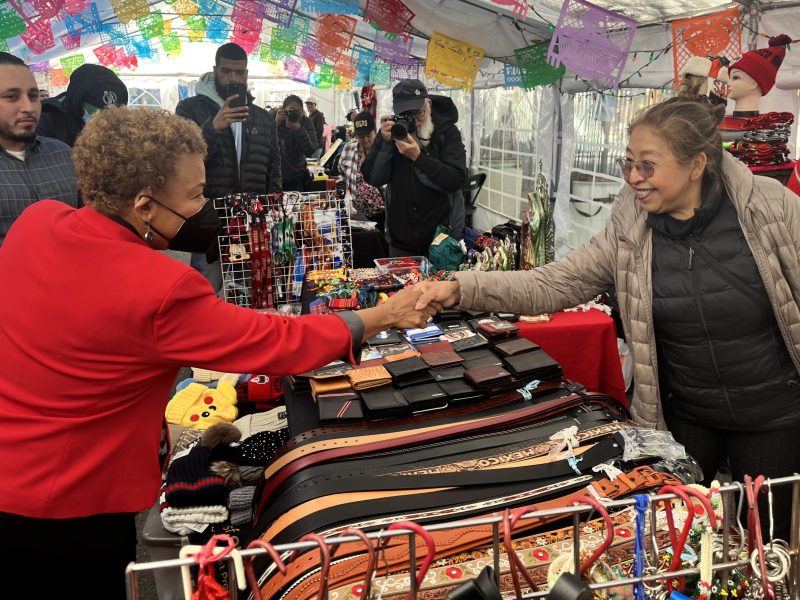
[[95, 325]]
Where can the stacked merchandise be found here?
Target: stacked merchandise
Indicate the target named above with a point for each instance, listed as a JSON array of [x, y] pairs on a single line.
[[758, 141]]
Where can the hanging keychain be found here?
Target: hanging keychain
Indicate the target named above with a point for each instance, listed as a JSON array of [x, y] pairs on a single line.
[[776, 555]]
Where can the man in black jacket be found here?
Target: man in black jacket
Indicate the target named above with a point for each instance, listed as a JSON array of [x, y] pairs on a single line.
[[318, 119], [424, 169], [243, 153], [91, 88], [298, 140]]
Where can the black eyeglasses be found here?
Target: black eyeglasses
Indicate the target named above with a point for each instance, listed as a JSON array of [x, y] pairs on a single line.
[[645, 168]]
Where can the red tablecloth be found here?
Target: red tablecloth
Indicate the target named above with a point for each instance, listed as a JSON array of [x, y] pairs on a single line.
[[585, 345]]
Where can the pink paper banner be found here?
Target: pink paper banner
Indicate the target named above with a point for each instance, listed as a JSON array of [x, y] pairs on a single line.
[[591, 41], [70, 42], [518, 7], [392, 16], [38, 36]]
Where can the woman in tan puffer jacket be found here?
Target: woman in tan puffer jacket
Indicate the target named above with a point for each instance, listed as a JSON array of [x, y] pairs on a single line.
[[704, 259]]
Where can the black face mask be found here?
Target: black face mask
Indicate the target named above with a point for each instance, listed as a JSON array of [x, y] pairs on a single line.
[[198, 231]]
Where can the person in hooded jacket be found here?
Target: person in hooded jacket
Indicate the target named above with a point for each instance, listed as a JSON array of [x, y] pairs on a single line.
[[424, 170], [91, 88], [243, 153]]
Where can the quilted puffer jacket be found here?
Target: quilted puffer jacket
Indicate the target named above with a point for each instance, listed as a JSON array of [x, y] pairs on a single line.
[[621, 255]]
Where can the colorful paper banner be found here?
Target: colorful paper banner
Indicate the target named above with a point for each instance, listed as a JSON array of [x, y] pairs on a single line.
[[72, 62], [38, 36], [392, 16], [591, 41], [339, 7], [11, 24], [719, 34], [534, 68], [70, 42], [396, 49], [280, 11], [129, 10], [83, 23], [453, 62], [512, 77]]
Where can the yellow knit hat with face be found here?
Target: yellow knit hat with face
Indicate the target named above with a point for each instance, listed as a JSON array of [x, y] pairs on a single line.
[[198, 407]]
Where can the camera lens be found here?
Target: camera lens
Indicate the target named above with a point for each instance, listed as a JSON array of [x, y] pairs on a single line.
[[293, 116], [399, 131]]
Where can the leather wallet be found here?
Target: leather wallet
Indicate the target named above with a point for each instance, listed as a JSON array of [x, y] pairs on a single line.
[[441, 359], [407, 368], [487, 377], [401, 356], [369, 377], [459, 390], [481, 358], [339, 407], [384, 403], [476, 341], [328, 385], [425, 397], [440, 346], [448, 374], [537, 364], [515, 346], [498, 329]]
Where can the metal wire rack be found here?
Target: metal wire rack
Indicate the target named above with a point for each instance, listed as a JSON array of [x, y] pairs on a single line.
[[269, 241]]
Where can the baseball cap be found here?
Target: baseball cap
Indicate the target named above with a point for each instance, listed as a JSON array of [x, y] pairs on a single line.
[[408, 95], [363, 124], [311, 99]]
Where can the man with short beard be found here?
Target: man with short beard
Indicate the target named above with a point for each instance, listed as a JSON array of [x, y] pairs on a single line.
[[31, 167], [243, 153], [424, 170]]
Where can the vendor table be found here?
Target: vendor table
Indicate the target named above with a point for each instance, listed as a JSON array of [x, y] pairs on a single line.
[[585, 345]]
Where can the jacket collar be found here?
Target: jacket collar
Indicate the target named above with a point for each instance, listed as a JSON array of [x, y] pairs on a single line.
[[106, 227], [32, 147]]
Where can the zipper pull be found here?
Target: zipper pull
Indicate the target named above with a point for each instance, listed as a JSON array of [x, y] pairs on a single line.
[[691, 254]]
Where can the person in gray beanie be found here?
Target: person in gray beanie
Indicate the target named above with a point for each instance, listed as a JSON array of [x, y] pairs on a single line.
[[91, 88]]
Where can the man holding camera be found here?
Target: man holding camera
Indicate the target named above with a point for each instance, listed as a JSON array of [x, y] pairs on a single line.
[[298, 140], [243, 153], [420, 156]]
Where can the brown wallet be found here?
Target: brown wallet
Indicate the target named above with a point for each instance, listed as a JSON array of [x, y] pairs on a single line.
[[370, 377], [329, 384], [515, 346], [487, 376], [441, 359]]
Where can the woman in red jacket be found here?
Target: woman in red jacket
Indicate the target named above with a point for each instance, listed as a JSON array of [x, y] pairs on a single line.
[[95, 326]]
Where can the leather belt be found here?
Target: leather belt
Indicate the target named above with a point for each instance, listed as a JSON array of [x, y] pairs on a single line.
[[448, 542], [518, 467], [310, 454], [524, 473], [440, 452]]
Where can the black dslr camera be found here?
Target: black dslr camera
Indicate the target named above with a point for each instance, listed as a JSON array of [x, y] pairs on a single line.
[[293, 116], [403, 125]]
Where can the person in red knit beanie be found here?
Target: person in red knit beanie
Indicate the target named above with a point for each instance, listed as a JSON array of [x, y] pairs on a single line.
[[753, 75], [95, 332]]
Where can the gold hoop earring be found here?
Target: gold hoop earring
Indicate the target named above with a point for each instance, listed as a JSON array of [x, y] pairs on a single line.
[[148, 235]]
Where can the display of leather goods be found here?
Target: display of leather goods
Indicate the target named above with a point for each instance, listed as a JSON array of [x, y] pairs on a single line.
[[516, 346], [483, 587], [330, 384], [369, 377], [487, 377], [390, 336], [459, 390], [475, 341], [384, 403], [441, 359], [428, 396], [475, 323], [499, 329], [449, 315], [409, 371], [337, 408], [402, 349], [454, 325], [537, 364], [448, 374], [431, 332], [482, 357]]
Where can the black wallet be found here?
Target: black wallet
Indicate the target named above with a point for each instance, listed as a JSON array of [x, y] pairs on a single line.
[[339, 407], [408, 371], [480, 358], [459, 390], [384, 403], [425, 397], [448, 374], [476, 341], [538, 364], [515, 346]]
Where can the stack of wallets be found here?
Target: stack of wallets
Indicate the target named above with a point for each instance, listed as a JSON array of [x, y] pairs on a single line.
[[447, 358], [384, 403], [495, 330], [339, 407], [459, 390], [490, 378], [515, 346], [384, 338], [469, 343], [329, 384], [409, 371], [424, 335], [536, 365], [369, 377], [480, 357]]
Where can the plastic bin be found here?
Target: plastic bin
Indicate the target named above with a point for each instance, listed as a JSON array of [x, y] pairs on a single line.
[[163, 545]]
